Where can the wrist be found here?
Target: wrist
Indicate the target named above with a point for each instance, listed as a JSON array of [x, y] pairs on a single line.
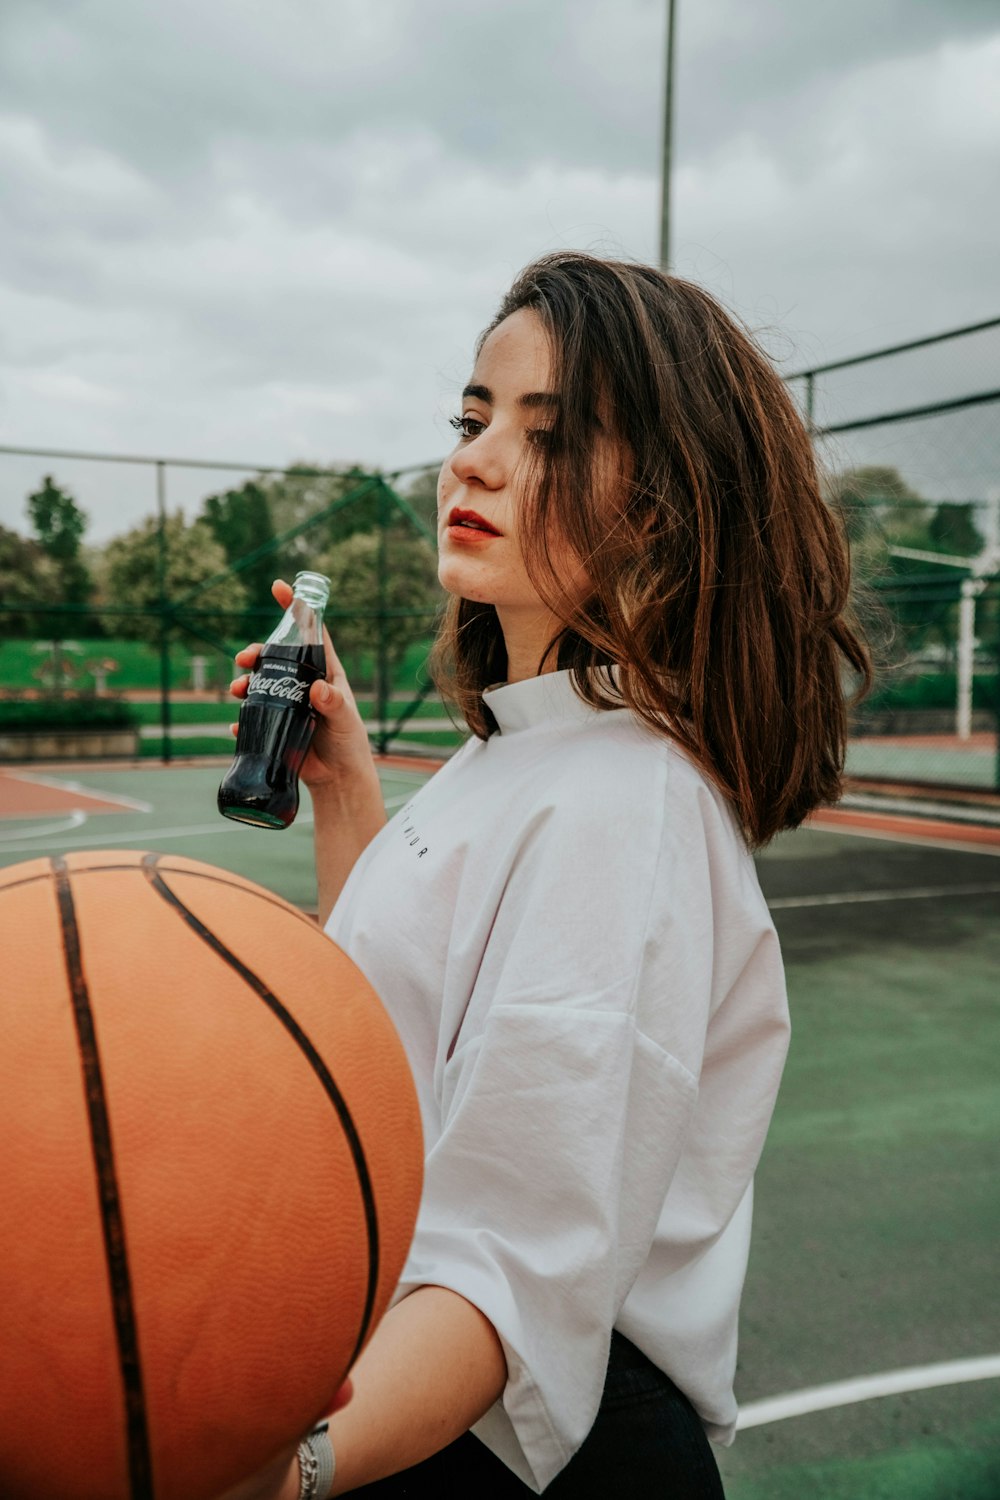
[[316, 1464], [354, 793]]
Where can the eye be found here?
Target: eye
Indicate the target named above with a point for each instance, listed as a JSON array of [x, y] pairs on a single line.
[[467, 426], [541, 437]]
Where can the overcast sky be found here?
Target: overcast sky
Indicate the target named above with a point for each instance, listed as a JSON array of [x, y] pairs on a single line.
[[270, 230]]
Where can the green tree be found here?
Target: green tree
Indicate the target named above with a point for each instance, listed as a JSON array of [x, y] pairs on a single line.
[[28, 577], [953, 529], [194, 557], [906, 604], [240, 521], [877, 503], [412, 598], [59, 525], [295, 498], [420, 491]]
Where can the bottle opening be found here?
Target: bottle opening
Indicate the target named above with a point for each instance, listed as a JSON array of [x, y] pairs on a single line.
[[314, 588]]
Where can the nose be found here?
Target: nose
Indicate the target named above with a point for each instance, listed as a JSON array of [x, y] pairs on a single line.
[[483, 462]]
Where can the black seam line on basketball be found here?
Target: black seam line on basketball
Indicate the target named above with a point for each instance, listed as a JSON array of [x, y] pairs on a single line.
[[112, 1222], [318, 1066], [261, 895]]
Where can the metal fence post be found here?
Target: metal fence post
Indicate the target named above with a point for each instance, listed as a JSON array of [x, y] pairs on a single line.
[[161, 580], [966, 650], [996, 693], [382, 685]]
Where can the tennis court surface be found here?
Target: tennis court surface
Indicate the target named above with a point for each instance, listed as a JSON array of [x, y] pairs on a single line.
[[871, 1301]]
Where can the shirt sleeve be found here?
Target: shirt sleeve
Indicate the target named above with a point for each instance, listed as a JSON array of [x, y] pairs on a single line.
[[565, 1102]]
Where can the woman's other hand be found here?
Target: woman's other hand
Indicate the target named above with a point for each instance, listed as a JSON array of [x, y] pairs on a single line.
[[339, 745]]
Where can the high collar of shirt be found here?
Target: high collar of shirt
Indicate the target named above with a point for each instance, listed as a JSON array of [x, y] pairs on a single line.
[[538, 700]]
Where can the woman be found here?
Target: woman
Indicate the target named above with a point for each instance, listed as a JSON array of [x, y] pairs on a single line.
[[646, 635]]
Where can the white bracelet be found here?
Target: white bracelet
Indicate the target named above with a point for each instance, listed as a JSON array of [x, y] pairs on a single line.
[[317, 1464]]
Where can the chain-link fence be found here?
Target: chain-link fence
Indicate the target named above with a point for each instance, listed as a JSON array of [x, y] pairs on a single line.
[[141, 665], [917, 476], [139, 660]]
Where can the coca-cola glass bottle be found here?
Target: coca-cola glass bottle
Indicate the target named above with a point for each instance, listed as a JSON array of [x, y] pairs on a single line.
[[276, 721]]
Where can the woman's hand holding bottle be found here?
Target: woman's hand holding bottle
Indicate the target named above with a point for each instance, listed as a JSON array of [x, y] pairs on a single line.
[[339, 749], [338, 769]]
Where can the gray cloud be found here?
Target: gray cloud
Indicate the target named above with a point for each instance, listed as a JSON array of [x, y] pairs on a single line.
[[571, 81], [274, 231]]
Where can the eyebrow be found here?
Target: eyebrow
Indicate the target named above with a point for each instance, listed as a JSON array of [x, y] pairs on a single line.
[[531, 399]]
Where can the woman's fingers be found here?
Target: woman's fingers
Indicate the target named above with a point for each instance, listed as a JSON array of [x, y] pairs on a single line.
[[245, 658], [326, 697], [334, 668], [341, 740]]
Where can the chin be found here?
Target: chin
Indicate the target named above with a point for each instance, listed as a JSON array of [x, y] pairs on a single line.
[[456, 579]]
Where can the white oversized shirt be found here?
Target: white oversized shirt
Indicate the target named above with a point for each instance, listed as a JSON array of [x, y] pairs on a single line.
[[567, 930]]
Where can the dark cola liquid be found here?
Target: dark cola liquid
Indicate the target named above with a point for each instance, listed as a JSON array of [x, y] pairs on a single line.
[[276, 725]]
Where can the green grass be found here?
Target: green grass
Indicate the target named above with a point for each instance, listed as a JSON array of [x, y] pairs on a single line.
[[225, 710], [410, 676], [139, 665], [431, 708], [441, 737], [186, 713]]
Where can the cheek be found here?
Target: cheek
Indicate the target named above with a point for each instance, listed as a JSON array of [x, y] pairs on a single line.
[[446, 485]]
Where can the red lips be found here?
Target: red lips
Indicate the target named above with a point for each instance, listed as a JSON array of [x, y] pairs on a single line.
[[471, 520]]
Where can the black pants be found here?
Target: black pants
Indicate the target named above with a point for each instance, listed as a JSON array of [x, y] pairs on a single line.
[[646, 1441]]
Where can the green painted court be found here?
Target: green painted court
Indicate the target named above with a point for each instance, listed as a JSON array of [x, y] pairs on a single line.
[[877, 1207], [929, 760]]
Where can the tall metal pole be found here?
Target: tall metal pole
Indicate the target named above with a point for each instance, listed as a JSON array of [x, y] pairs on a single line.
[[668, 129]]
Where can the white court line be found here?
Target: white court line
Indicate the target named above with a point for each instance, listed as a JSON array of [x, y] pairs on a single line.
[[914, 893], [867, 1388], [63, 785], [222, 825], [47, 830]]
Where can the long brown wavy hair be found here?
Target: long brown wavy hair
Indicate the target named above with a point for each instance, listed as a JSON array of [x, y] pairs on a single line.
[[720, 578]]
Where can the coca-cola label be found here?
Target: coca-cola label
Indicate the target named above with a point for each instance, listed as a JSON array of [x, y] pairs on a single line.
[[285, 684]]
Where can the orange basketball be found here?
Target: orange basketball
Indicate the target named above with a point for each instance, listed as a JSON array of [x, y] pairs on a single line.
[[210, 1164]]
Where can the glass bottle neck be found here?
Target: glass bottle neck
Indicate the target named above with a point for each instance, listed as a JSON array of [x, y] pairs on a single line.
[[312, 588], [302, 622]]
